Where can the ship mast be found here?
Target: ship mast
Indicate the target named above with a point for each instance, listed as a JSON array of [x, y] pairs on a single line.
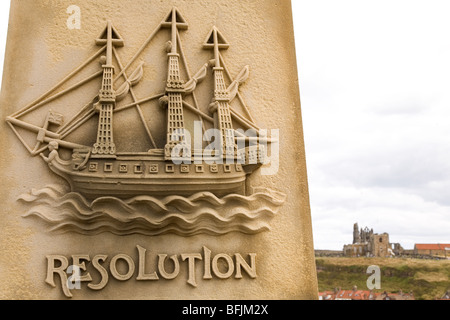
[[105, 146], [220, 106], [175, 88]]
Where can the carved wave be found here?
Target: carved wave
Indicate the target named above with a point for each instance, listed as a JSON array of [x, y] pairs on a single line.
[[202, 213]]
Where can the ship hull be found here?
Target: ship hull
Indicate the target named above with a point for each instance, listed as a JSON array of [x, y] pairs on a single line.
[[130, 176]]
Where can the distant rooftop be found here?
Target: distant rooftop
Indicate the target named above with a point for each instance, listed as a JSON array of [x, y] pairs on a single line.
[[432, 246]]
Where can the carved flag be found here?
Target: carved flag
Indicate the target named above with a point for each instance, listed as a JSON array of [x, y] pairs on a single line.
[[55, 118], [133, 80], [199, 76], [241, 78]]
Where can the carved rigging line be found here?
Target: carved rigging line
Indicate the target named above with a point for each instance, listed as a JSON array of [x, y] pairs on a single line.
[[78, 123], [184, 60], [47, 137], [131, 105], [201, 115], [20, 138], [141, 49], [75, 86], [138, 107], [67, 78], [238, 93], [69, 124], [243, 121], [66, 130]]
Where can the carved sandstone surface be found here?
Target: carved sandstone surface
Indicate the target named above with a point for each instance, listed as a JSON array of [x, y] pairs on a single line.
[[201, 213], [171, 187], [144, 122]]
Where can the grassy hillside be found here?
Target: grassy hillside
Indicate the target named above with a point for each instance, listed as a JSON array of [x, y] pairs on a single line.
[[427, 279]]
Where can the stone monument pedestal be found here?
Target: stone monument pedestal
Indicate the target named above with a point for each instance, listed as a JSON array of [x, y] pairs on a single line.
[[153, 150]]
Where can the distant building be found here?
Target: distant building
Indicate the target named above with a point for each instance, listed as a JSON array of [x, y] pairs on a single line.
[[355, 294], [432, 249], [328, 253], [395, 296], [366, 243]]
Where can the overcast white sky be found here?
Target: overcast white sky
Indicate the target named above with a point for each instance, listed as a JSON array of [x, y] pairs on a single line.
[[375, 91]]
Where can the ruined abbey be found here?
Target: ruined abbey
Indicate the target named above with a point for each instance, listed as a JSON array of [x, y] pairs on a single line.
[[366, 243]]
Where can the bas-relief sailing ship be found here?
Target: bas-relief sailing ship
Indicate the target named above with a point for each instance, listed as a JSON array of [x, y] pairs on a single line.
[[102, 170]]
